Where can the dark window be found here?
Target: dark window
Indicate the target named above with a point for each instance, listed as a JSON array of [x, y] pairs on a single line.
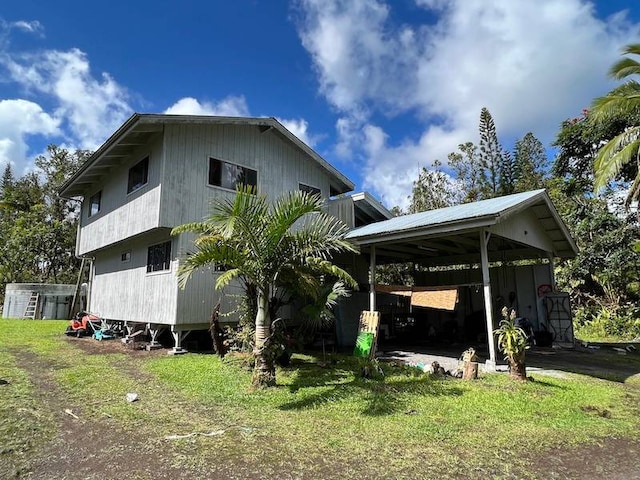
[[125, 256], [159, 257], [138, 175], [227, 175], [309, 189], [94, 203]]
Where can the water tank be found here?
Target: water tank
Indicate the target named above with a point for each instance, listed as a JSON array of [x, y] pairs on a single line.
[[54, 300]]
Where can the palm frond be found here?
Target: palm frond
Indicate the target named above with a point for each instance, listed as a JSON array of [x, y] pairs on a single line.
[[288, 211], [617, 152], [622, 100], [324, 266], [225, 278], [626, 66], [623, 68], [193, 227]]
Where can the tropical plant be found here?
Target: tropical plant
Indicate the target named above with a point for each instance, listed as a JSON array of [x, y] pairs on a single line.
[[512, 341], [624, 148], [269, 246]]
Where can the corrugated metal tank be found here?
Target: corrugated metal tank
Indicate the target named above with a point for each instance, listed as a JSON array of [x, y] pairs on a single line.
[[54, 300]]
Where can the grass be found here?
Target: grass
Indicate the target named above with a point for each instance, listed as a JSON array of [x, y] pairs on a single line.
[[317, 417]]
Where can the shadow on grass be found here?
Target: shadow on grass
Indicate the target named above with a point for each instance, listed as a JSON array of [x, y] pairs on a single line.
[[383, 396]]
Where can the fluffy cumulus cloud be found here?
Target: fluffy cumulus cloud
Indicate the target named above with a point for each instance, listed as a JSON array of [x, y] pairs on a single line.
[[82, 109], [231, 106], [19, 118], [300, 128], [532, 64]]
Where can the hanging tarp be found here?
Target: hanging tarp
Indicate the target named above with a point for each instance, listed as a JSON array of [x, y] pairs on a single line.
[[440, 298]]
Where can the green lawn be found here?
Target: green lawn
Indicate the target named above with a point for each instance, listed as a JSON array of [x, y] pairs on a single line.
[[317, 417]]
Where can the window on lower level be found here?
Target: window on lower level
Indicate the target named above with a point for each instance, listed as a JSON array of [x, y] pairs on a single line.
[[159, 257], [125, 257], [309, 189], [231, 176], [94, 203], [138, 175]]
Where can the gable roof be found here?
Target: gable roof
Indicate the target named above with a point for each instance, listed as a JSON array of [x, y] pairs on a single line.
[[140, 127], [470, 217]]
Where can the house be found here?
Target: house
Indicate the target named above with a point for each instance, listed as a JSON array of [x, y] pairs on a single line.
[[160, 171]]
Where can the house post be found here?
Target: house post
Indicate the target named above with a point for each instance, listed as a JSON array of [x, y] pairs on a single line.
[[372, 279], [552, 274], [92, 272], [488, 304]]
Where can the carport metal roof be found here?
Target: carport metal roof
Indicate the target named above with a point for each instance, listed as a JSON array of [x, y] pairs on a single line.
[[522, 226]]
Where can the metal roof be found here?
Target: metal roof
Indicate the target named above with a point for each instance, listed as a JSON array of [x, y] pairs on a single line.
[[413, 236], [139, 128]]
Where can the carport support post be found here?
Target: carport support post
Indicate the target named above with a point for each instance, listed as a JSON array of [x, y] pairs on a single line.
[[486, 282], [372, 279]]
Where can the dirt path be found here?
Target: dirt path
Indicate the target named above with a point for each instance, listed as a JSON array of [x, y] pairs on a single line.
[[98, 447]]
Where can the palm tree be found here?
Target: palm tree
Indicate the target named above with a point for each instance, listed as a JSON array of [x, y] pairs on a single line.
[[268, 245], [621, 101]]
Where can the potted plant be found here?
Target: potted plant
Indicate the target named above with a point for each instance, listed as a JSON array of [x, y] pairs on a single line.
[[512, 341]]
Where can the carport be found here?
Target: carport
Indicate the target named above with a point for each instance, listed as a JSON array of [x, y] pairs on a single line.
[[494, 233]]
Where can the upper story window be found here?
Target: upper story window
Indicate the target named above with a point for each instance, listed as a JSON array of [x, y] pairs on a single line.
[[230, 176], [309, 189], [138, 175], [94, 203], [159, 257]]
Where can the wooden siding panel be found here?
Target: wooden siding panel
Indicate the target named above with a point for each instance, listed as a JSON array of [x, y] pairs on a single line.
[[186, 196], [136, 216], [125, 291], [123, 215], [524, 228]]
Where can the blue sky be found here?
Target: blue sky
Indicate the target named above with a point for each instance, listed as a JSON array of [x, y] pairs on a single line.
[[378, 88]]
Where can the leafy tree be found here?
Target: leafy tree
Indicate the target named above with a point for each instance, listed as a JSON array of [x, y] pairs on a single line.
[[491, 155], [468, 171], [37, 227], [624, 148], [490, 171], [530, 160], [431, 190], [269, 246], [606, 273]]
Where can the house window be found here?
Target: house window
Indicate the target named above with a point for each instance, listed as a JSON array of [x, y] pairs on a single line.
[[94, 203], [138, 175], [309, 189], [230, 176], [159, 257], [125, 257]]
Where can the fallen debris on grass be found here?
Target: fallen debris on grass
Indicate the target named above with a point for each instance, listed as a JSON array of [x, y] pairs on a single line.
[[69, 412]]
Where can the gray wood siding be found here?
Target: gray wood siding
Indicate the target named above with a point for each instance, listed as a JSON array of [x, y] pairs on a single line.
[[123, 215], [524, 228], [125, 291], [342, 208], [186, 196], [177, 193]]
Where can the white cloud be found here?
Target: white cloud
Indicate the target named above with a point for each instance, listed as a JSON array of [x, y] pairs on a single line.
[[231, 106], [236, 106], [300, 128], [33, 26], [19, 119], [533, 64], [90, 108]]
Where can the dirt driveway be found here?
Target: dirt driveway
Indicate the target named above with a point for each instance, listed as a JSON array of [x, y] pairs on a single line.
[[97, 448]]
